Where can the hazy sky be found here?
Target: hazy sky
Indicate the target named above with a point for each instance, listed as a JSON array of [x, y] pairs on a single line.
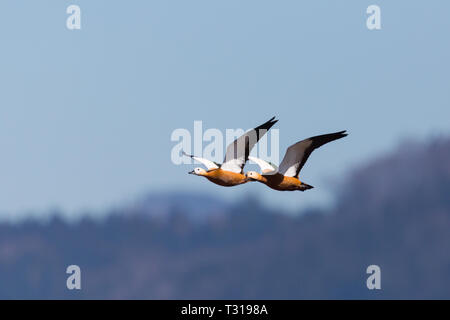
[[86, 115]]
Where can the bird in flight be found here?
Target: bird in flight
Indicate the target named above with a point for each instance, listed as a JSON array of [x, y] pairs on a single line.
[[285, 178], [230, 172]]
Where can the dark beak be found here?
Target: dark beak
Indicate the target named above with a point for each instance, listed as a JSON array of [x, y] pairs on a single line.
[[191, 172]]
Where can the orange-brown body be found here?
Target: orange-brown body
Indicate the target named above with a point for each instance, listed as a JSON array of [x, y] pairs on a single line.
[[281, 183], [225, 178]]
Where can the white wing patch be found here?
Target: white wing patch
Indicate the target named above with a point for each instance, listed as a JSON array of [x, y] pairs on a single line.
[[266, 167], [207, 163], [233, 165], [297, 154], [290, 164], [291, 171], [238, 151]]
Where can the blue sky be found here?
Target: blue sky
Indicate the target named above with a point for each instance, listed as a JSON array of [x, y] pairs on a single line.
[[86, 115]]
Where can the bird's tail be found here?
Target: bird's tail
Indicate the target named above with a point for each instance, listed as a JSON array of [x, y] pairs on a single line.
[[305, 186]]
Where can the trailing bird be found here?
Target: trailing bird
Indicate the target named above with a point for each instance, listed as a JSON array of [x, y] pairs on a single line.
[[230, 172], [285, 178]]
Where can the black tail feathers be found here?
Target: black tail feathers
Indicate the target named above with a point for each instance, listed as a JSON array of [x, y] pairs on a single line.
[[305, 186]]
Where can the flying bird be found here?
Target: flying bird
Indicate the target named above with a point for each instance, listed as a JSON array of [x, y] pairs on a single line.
[[285, 178], [230, 172]]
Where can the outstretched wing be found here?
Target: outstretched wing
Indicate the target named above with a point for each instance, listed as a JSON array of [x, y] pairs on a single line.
[[267, 168], [239, 150], [210, 165], [297, 154]]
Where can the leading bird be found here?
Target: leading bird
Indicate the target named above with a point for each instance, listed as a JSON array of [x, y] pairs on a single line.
[[230, 172]]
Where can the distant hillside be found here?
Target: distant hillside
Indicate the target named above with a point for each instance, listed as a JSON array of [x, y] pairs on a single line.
[[393, 212], [197, 207]]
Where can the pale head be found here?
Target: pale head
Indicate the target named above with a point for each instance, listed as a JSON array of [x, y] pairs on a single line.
[[254, 176], [198, 172]]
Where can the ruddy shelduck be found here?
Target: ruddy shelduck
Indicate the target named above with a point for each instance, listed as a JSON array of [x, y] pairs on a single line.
[[230, 172], [286, 178]]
